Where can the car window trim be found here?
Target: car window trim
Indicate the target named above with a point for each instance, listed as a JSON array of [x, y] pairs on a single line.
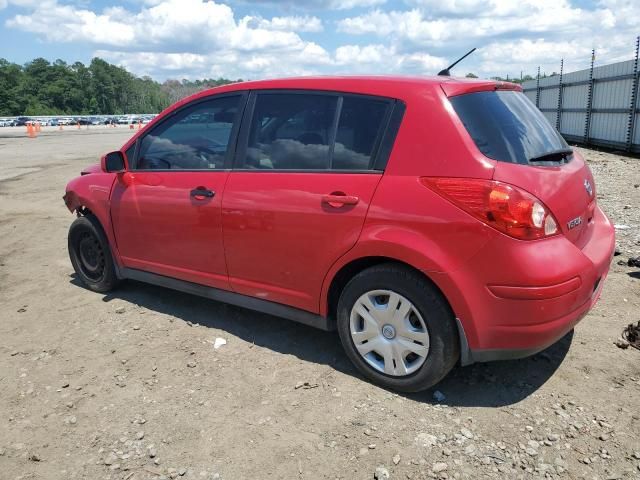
[[384, 140], [334, 130], [388, 139], [233, 136]]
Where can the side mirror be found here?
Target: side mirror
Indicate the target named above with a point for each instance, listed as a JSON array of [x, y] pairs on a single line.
[[113, 162]]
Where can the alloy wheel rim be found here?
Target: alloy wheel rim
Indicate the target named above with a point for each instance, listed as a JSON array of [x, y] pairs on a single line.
[[389, 333]]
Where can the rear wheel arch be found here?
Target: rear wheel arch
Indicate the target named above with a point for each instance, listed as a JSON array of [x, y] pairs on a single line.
[[354, 267], [388, 361]]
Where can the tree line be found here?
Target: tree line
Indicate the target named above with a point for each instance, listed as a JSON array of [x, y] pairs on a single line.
[[40, 87]]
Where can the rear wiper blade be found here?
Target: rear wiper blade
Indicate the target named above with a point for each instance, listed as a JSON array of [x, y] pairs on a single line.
[[562, 152]]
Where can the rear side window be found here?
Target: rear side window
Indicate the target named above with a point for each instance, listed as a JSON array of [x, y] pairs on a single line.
[[291, 131], [196, 138], [314, 131], [359, 128], [506, 126]]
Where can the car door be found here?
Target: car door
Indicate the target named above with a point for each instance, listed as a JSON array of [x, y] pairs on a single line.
[[166, 210], [297, 198]]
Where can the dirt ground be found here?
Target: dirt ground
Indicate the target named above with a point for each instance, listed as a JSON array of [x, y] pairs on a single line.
[[130, 386]]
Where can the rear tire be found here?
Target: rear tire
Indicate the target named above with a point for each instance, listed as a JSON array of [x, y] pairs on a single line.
[[90, 254], [397, 328]]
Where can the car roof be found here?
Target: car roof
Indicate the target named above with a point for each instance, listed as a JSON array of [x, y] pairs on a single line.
[[392, 86]]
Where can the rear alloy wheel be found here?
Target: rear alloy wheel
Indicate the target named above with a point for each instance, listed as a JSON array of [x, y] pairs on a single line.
[[90, 255], [397, 329]]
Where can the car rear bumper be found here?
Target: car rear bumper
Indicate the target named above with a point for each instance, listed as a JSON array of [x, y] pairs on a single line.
[[515, 298]]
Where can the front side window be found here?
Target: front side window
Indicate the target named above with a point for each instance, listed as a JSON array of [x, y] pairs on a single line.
[[196, 138], [290, 131]]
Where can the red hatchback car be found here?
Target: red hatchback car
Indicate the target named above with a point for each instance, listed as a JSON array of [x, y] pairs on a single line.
[[431, 221]]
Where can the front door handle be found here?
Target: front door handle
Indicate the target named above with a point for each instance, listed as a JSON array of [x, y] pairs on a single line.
[[202, 193], [339, 199]]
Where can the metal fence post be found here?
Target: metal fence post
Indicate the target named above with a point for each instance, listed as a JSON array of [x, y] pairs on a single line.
[[587, 120], [559, 110], [634, 96], [538, 88]]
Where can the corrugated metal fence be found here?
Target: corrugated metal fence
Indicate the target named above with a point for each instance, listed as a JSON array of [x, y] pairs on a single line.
[[598, 106]]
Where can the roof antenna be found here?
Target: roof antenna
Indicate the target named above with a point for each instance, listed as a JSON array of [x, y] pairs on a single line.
[[446, 73]]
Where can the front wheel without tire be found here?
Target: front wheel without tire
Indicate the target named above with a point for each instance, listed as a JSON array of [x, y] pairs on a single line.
[[397, 329], [90, 254]]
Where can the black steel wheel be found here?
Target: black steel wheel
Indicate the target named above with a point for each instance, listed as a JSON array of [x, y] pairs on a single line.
[[90, 254]]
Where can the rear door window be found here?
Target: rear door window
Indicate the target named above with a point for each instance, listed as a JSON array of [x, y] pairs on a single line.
[[291, 132], [360, 127], [507, 127], [314, 131]]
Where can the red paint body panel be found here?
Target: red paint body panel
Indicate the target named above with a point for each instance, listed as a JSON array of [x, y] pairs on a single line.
[[281, 238], [270, 235], [535, 293], [92, 191], [561, 188], [498, 323], [160, 228]]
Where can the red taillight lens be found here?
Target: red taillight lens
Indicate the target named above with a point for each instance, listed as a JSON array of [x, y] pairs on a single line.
[[500, 205]]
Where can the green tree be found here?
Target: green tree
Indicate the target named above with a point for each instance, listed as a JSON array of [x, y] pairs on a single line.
[[43, 88]]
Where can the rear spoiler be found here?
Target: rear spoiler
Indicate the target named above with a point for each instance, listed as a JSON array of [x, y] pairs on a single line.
[[460, 87]]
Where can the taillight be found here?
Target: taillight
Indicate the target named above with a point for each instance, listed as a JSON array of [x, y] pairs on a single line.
[[500, 205]]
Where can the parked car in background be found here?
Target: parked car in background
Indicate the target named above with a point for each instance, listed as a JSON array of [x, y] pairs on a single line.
[[21, 121], [431, 221]]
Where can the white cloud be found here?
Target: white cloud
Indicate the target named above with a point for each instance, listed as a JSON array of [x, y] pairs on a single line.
[[311, 60], [380, 59], [293, 23], [206, 38], [173, 25], [348, 4], [316, 4], [499, 18], [511, 36]]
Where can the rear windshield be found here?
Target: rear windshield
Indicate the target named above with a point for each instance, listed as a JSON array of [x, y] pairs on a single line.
[[506, 126]]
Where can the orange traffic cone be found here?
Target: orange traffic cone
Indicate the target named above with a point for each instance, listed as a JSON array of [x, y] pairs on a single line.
[[30, 131]]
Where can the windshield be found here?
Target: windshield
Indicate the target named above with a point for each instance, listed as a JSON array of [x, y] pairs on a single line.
[[506, 126]]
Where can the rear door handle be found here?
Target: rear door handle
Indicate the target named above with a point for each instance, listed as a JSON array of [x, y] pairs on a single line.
[[202, 192], [338, 200]]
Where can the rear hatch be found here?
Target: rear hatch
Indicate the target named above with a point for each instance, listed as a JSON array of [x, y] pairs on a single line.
[[530, 154]]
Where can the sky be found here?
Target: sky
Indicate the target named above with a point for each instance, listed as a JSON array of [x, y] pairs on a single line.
[[253, 39]]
